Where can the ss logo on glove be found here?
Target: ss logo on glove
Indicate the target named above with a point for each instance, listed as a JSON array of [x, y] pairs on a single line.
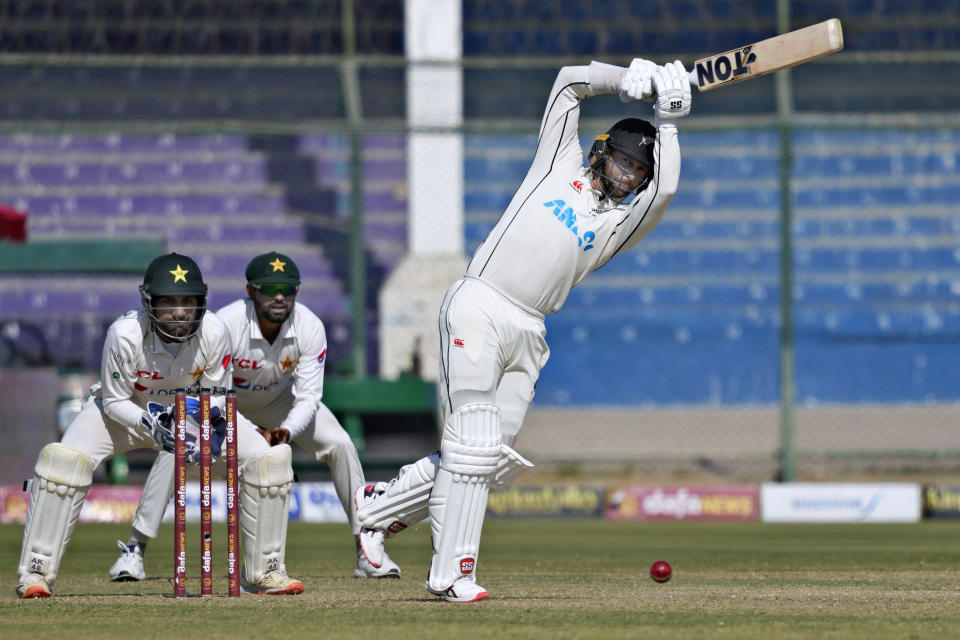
[[676, 105]]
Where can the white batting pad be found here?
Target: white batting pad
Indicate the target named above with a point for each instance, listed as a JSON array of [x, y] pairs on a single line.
[[510, 464], [406, 499], [61, 479], [470, 450], [264, 506]]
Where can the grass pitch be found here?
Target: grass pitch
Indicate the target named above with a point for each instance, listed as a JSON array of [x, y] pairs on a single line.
[[548, 579]]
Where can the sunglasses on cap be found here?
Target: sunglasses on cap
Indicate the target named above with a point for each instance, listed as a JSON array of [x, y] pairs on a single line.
[[273, 289]]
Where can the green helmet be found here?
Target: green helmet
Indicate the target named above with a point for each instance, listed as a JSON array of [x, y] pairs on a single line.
[[174, 275]]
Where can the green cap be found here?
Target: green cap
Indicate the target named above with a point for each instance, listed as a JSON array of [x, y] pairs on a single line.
[[273, 268]]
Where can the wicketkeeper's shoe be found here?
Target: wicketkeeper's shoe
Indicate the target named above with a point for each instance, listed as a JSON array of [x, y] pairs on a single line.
[[129, 566], [34, 585], [463, 590], [387, 569], [274, 583]]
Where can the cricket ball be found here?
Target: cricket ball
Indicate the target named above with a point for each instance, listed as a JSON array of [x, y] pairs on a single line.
[[661, 571]]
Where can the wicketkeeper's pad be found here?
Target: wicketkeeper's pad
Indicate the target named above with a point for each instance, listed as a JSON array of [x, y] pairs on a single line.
[[61, 479]]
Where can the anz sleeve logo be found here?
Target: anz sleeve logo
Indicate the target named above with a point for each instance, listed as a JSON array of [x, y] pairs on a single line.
[[565, 214]]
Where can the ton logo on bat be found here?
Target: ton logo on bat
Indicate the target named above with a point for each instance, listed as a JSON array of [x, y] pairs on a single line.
[[721, 67]]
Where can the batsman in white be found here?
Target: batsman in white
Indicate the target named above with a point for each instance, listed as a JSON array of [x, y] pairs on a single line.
[[172, 342], [564, 221], [279, 351]]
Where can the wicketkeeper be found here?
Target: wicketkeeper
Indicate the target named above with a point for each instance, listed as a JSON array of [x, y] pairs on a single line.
[[565, 221], [172, 342], [279, 352]]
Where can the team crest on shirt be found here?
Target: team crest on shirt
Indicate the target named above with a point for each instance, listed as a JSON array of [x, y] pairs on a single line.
[[577, 185]]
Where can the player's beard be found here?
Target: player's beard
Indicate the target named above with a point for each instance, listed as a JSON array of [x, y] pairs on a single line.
[[614, 190], [620, 182], [274, 313], [177, 329]]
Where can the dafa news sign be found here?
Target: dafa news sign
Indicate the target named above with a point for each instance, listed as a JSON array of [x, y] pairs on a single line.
[[686, 502], [547, 501]]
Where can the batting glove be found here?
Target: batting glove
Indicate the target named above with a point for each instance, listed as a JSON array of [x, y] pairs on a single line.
[[672, 86], [637, 82]]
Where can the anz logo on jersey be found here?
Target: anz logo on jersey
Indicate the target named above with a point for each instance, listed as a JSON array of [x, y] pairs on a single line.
[[565, 214]]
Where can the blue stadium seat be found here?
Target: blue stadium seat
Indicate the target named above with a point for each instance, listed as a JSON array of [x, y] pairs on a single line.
[[862, 282]]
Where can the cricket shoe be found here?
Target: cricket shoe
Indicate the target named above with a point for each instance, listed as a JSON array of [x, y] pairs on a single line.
[[129, 566], [463, 590], [34, 585], [371, 541], [387, 569], [274, 583], [371, 546]]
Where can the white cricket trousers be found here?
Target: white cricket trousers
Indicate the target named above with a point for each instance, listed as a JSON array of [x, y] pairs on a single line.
[[492, 349], [327, 441]]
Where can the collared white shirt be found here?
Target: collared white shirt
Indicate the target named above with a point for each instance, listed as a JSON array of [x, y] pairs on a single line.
[[136, 368], [263, 372], [556, 229]]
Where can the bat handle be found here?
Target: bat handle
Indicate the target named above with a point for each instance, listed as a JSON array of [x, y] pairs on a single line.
[[693, 78]]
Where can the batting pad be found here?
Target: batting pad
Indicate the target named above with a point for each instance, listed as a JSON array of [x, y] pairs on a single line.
[[264, 506], [406, 499], [470, 451], [61, 479]]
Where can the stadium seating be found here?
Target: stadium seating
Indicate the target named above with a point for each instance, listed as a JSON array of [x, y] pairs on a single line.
[[873, 261], [207, 195], [624, 28], [696, 306], [384, 179]]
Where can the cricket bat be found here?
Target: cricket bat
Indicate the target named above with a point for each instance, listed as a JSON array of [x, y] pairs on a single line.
[[767, 56]]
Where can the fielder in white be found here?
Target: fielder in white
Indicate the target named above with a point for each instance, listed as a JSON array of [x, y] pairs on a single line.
[[171, 343], [565, 221], [279, 351]]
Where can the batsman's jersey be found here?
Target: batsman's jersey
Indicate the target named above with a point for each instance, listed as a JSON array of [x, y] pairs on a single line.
[[557, 229], [137, 368], [292, 366]]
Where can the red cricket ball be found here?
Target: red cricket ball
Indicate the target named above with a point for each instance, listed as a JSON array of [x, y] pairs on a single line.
[[661, 571]]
